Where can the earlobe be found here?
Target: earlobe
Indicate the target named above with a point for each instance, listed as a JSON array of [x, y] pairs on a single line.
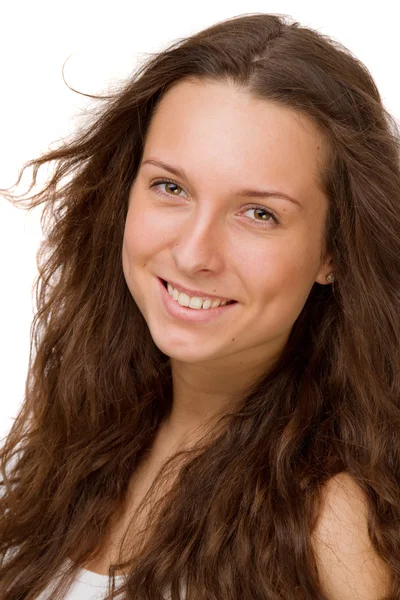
[[326, 273], [330, 278]]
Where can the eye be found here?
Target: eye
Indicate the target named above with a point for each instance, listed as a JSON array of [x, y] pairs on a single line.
[[163, 182], [269, 221]]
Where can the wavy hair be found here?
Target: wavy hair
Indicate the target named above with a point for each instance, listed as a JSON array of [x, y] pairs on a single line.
[[237, 521]]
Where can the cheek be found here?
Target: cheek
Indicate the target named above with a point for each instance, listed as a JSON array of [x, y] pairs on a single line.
[[152, 227], [295, 282], [143, 234], [275, 262], [284, 270]]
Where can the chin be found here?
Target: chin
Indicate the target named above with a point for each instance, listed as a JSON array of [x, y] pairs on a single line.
[[183, 351]]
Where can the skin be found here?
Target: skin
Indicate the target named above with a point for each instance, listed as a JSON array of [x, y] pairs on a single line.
[[205, 238]]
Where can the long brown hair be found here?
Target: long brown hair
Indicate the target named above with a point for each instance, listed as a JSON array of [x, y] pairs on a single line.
[[237, 522]]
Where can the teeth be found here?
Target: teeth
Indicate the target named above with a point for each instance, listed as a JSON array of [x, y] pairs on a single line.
[[196, 302]]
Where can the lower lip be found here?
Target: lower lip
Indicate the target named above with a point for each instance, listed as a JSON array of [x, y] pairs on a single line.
[[191, 315]]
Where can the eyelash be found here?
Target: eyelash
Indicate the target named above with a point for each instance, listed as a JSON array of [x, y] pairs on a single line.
[[260, 206]]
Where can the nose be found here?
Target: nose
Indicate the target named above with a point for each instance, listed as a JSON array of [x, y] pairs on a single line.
[[199, 245]]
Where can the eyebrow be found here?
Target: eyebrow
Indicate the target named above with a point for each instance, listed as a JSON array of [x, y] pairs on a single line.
[[236, 192]]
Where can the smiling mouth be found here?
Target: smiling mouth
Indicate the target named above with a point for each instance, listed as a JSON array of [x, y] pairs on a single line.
[[165, 284]]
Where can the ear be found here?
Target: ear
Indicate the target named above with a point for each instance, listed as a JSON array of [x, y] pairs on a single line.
[[325, 268]]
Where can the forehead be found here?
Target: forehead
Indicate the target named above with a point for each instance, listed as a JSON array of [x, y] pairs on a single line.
[[216, 129]]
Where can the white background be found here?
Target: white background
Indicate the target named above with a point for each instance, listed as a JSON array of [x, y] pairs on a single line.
[[103, 41]]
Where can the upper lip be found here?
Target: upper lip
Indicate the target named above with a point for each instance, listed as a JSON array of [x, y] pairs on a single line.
[[193, 293]]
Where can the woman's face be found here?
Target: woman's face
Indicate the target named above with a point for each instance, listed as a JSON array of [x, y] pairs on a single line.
[[204, 233]]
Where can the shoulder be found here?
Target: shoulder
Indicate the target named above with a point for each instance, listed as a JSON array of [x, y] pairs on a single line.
[[349, 568]]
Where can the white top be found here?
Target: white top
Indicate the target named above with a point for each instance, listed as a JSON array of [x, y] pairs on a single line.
[[88, 585]]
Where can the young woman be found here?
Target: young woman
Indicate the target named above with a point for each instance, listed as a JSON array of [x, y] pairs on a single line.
[[212, 408]]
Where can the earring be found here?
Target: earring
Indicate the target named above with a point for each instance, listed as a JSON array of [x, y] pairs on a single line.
[[330, 278]]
